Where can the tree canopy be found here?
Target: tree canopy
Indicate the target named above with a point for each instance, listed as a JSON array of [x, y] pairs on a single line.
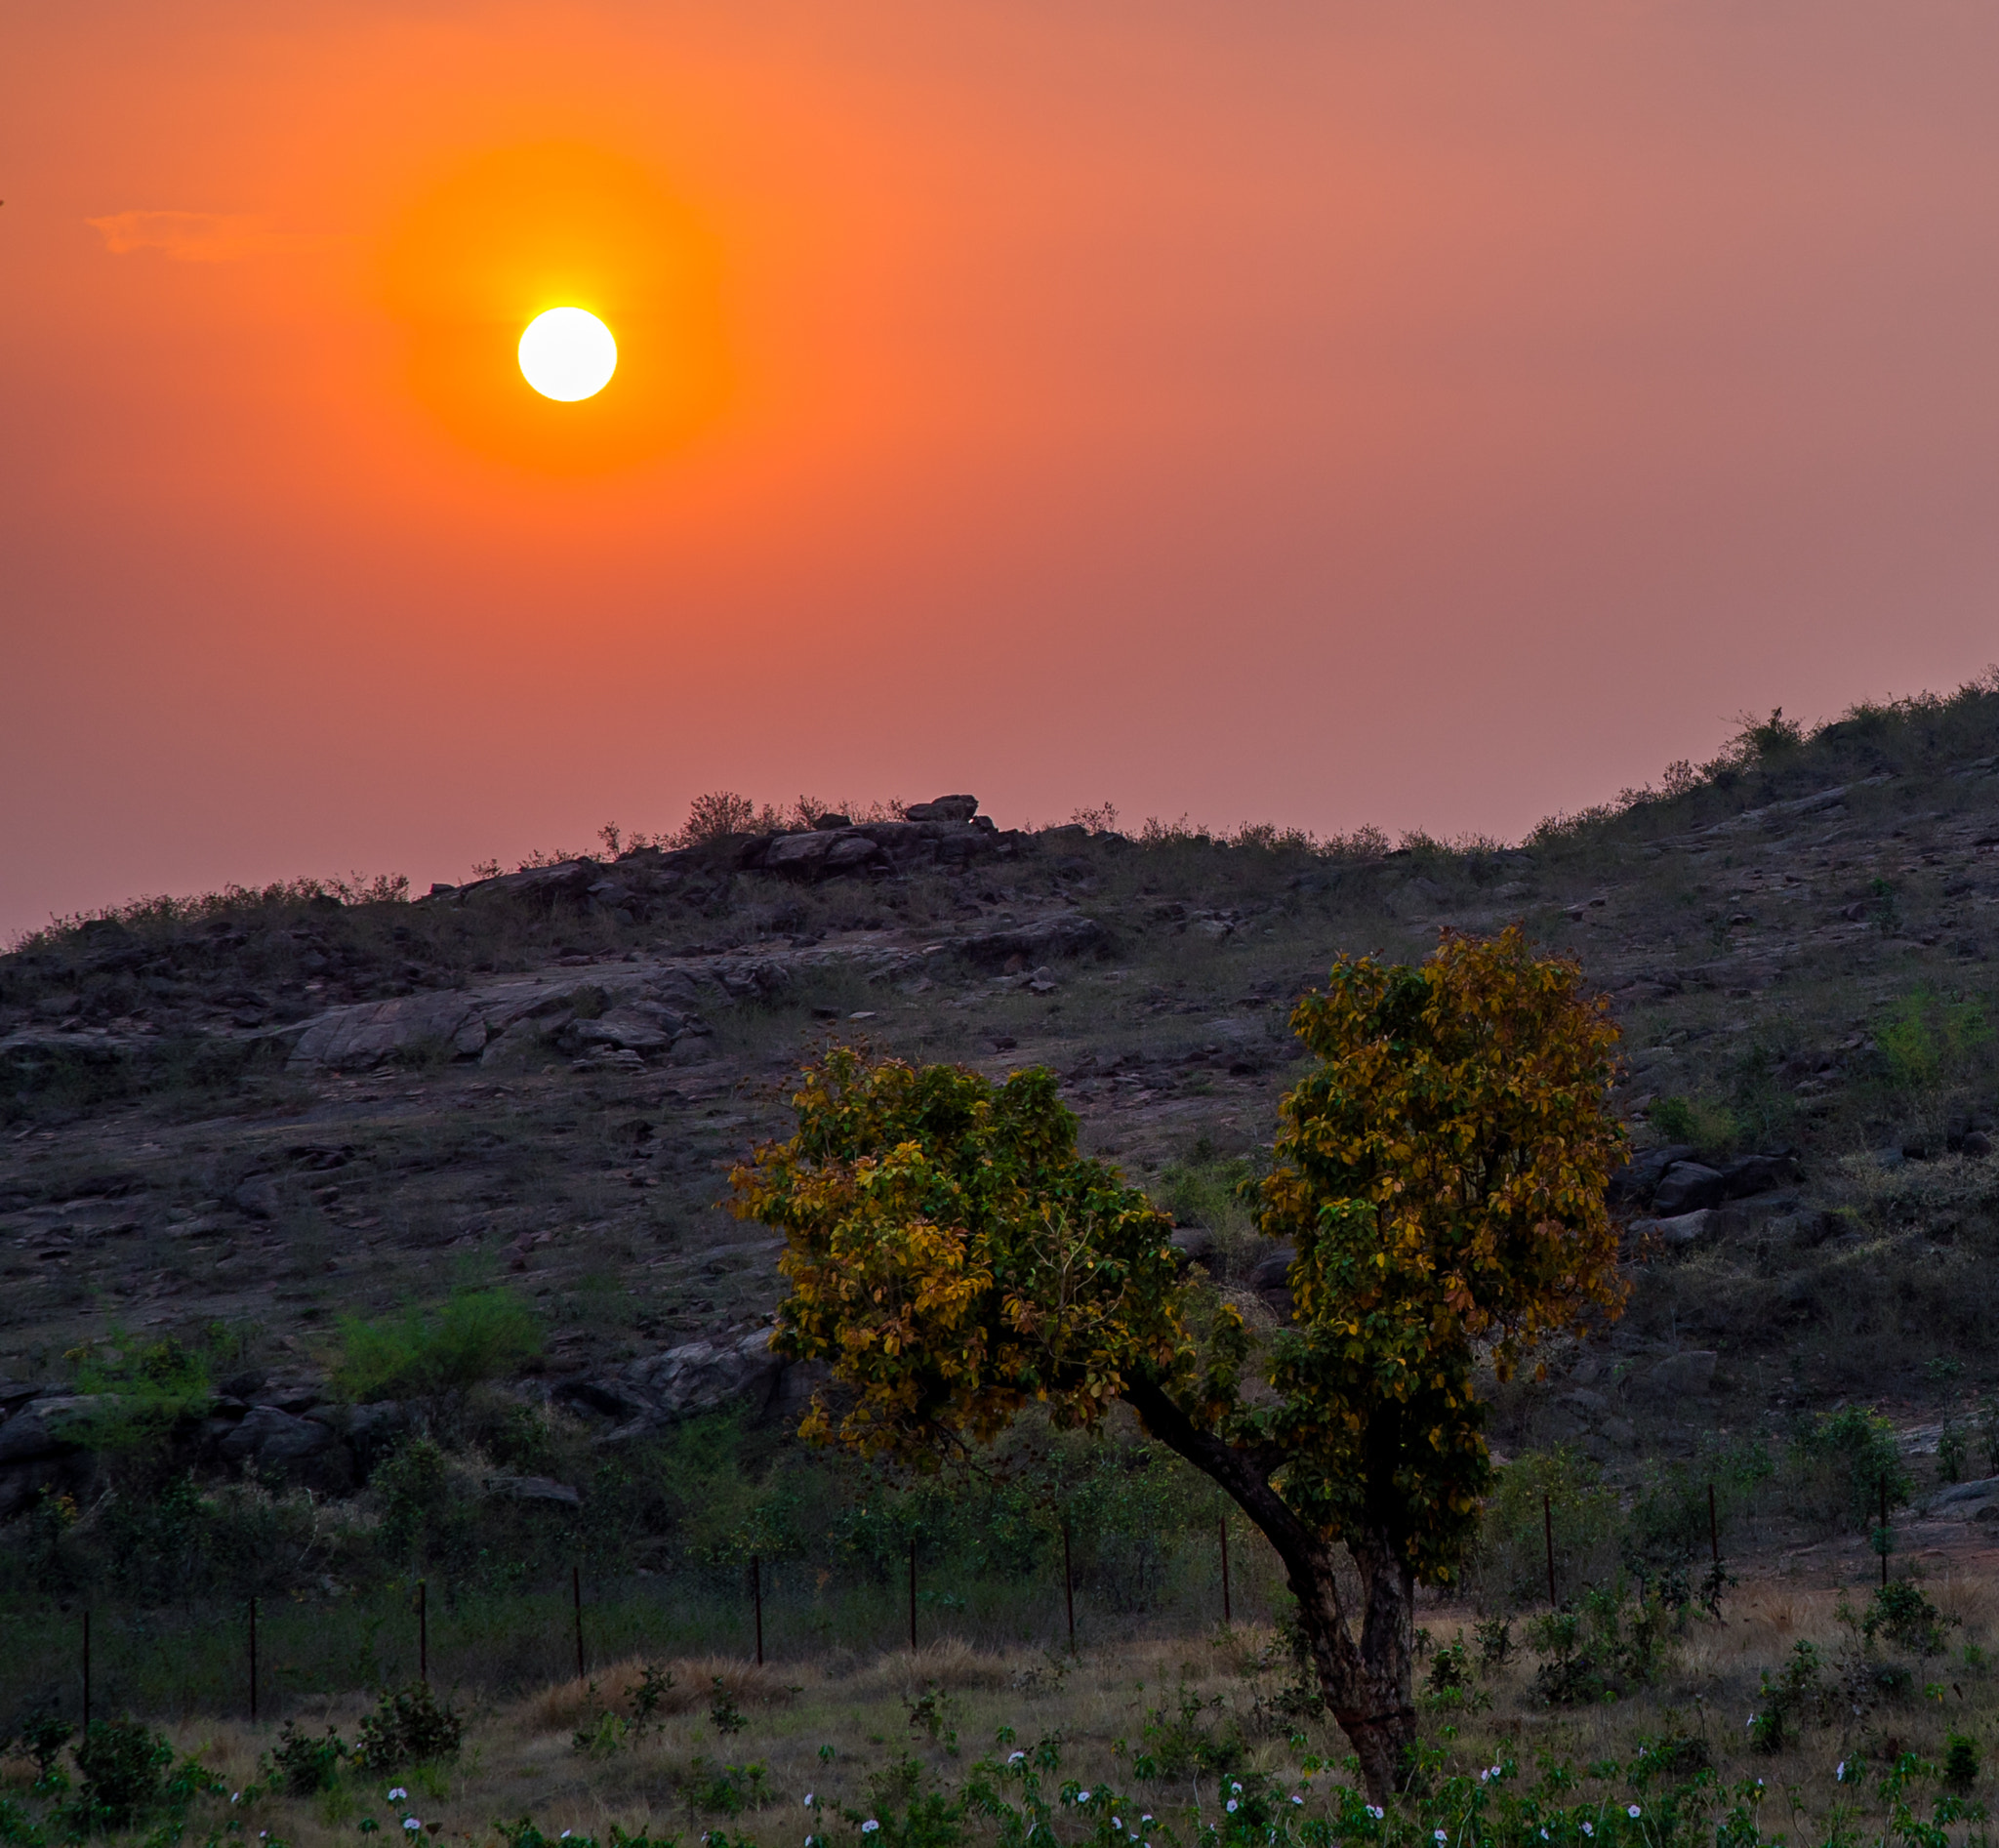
[[1440, 1175]]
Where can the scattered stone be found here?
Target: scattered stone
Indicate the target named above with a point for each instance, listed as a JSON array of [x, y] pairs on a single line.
[[259, 1197]]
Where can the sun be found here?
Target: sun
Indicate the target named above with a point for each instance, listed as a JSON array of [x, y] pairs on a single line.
[[567, 353]]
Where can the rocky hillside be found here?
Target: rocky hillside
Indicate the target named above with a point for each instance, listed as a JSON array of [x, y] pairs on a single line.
[[263, 1112]]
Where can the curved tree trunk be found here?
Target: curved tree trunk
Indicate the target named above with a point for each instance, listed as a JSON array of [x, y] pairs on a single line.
[[1367, 1682]]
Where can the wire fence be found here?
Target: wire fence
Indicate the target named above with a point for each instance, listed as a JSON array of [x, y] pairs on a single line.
[[268, 1657]]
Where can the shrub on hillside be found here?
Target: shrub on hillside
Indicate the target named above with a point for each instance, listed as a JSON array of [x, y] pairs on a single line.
[[121, 1772], [1511, 1563], [474, 1336], [410, 1726], [305, 1764], [1847, 1468]]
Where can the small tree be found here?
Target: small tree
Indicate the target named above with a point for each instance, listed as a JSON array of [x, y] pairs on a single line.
[[1442, 1174]]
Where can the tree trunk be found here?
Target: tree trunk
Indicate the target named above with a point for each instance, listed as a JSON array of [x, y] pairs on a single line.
[[1367, 1682], [1369, 1690]]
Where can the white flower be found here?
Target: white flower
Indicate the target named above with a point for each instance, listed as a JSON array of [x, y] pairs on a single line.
[[1632, 1812], [1374, 1812], [808, 1799], [1117, 1822], [1589, 1828], [411, 1824], [1015, 1758], [1840, 1776], [1237, 1787], [1232, 1806], [870, 1826], [397, 1793], [1083, 1796], [1484, 1774], [1498, 1770], [1442, 1836], [1298, 1799], [237, 1796]]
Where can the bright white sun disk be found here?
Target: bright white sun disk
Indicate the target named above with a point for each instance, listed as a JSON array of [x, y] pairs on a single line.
[[567, 353]]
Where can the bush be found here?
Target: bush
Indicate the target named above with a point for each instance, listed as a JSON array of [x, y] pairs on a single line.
[[1903, 1614], [1182, 1741], [1853, 1454], [120, 1767], [1711, 1127], [1960, 1763], [1511, 1564], [42, 1737], [410, 1726], [1783, 1701], [1926, 1035], [306, 1765], [1602, 1648], [476, 1335]]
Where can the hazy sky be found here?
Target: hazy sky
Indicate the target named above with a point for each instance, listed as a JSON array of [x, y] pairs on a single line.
[[1431, 415]]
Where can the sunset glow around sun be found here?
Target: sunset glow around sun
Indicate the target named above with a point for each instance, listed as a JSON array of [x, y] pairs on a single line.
[[567, 353]]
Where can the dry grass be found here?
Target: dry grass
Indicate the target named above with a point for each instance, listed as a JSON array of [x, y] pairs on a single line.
[[832, 1726], [695, 1683]]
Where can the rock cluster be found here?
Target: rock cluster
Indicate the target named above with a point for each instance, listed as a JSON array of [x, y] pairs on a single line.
[[947, 832], [1689, 1201], [289, 1430]]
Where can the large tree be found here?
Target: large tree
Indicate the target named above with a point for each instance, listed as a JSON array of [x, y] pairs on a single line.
[[1440, 1174]]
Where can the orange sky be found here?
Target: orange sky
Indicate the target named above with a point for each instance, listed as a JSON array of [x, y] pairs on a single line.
[[1427, 415]]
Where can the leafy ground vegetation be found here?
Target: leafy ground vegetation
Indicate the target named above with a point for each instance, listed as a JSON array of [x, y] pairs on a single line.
[[1795, 939]]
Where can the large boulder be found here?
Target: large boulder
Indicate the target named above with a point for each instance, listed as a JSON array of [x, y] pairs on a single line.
[[23, 1484], [1682, 1228], [543, 1490], [701, 1376], [1061, 933], [1757, 1174], [546, 885], [53, 1426], [823, 853], [1194, 1245], [271, 1443], [1271, 1279], [944, 809], [1686, 1187], [637, 1029], [1679, 1375], [1966, 1501], [1636, 1178], [366, 1035], [656, 1390]]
